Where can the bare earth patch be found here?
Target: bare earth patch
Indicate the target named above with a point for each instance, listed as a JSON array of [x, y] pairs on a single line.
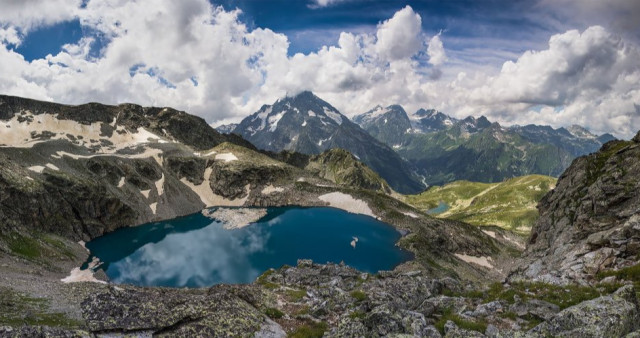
[[347, 203], [235, 218]]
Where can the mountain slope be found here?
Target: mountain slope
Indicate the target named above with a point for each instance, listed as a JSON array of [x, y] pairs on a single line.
[[342, 168], [471, 150], [81, 171], [444, 149], [73, 180], [590, 223], [125, 118], [385, 124], [431, 120], [510, 204], [305, 123]]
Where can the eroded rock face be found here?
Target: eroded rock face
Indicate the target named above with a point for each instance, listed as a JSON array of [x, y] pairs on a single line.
[[591, 221]]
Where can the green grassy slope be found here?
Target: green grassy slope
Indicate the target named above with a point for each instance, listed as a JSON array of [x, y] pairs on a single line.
[[510, 204]]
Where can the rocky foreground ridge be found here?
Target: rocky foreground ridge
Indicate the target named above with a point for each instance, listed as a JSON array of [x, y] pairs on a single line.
[[74, 180], [589, 224]]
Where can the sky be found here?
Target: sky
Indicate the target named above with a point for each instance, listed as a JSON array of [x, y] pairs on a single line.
[[553, 62]]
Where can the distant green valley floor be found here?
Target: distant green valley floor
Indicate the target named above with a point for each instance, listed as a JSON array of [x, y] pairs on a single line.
[[510, 204]]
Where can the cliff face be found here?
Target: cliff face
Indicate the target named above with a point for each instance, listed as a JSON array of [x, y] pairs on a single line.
[[591, 221]]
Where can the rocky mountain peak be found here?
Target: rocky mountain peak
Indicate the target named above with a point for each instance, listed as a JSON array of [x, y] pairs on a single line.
[[307, 124], [431, 120], [580, 132]]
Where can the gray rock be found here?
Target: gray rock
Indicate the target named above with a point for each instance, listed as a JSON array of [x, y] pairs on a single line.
[[42, 331], [270, 329], [487, 309], [451, 330], [535, 307], [609, 316]]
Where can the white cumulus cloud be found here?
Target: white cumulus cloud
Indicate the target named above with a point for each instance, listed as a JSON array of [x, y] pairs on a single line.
[[401, 36], [437, 55], [194, 56], [324, 3], [29, 14]]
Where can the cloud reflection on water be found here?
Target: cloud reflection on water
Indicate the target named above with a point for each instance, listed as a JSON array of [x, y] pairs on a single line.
[[198, 258], [198, 252]]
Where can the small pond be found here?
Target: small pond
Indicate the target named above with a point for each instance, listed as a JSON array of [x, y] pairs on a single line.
[[442, 207], [198, 251]]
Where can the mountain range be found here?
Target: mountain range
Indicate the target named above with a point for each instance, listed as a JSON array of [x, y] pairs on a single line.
[[69, 174], [307, 124], [443, 149], [413, 151]]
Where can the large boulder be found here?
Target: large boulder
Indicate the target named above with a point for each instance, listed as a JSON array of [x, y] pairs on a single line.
[[609, 316]]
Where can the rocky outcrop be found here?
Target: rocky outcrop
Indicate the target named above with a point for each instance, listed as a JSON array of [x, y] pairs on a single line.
[[342, 168], [217, 312], [181, 126], [610, 316], [590, 222]]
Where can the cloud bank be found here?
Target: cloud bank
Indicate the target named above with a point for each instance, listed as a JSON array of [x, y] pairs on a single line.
[[201, 58]]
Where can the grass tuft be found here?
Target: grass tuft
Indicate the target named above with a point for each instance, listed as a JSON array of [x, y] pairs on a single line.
[[312, 330]]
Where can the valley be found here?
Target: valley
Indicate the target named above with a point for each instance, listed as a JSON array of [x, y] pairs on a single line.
[[99, 194], [510, 204]]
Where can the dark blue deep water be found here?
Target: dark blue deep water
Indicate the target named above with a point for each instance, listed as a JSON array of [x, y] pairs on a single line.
[[196, 251]]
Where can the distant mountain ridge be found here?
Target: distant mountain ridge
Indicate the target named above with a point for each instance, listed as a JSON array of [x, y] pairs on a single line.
[[444, 149], [307, 124]]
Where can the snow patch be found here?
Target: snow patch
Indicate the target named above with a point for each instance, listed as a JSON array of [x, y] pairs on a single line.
[[78, 275], [482, 261], [227, 157], [491, 234], [263, 118], [160, 185], [208, 198], [52, 167], [347, 203], [121, 183], [311, 113], [148, 152], [304, 123], [379, 111], [410, 214], [273, 120], [332, 115], [323, 141], [145, 193], [14, 133], [37, 168], [270, 188], [153, 207]]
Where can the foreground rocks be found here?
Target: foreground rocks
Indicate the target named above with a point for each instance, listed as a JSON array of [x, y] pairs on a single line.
[[608, 316], [337, 301]]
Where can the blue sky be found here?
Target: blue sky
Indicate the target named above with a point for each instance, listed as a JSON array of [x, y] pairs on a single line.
[[467, 23], [555, 62]]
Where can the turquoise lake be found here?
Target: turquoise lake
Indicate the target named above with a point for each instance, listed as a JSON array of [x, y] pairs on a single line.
[[442, 207], [197, 251]]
